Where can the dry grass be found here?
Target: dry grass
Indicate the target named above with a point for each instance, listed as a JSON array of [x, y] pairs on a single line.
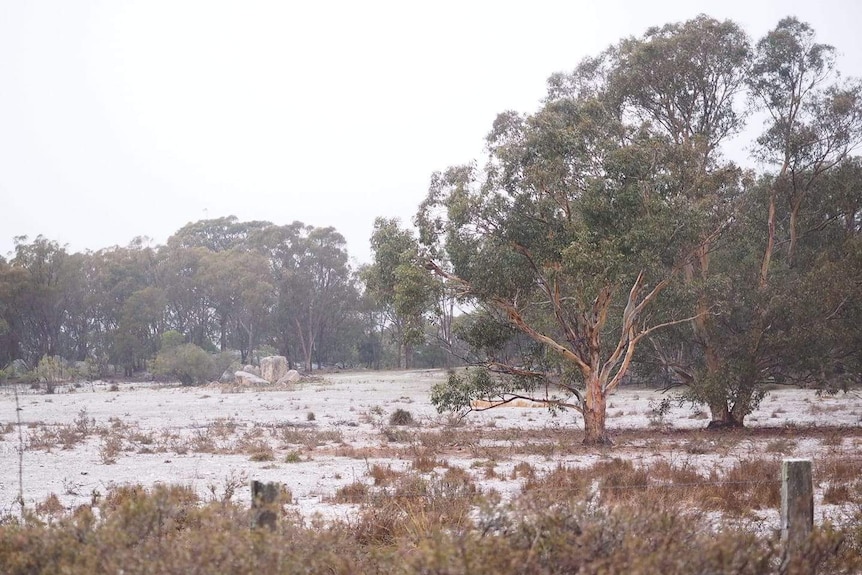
[[560, 484], [745, 486], [838, 468], [383, 475], [356, 492], [416, 525], [523, 469], [397, 435], [426, 464]]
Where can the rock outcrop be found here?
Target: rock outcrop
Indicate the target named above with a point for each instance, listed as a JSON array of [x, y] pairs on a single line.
[[251, 369], [247, 378], [273, 368], [291, 376]]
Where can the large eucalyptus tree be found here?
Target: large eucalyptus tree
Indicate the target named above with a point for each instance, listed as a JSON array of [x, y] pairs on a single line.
[[585, 213]]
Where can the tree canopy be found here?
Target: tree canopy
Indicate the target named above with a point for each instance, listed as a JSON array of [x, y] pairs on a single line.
[[609, 218]]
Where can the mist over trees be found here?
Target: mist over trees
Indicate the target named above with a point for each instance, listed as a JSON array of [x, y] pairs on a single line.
[[221, 285], [606, 238]]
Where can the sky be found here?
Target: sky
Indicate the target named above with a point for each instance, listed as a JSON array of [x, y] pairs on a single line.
[[121, 119]]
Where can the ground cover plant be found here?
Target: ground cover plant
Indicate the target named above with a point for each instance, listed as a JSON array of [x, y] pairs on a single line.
[[144, 478]]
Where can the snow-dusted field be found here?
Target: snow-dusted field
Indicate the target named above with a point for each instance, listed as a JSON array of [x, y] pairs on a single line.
[[330, 432]]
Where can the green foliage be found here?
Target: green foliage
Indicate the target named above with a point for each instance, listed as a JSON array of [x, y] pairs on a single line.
[[171, 339], [400, 287], [223, 284], [187, 362], [588, 208], [51, 370], [462, 387]]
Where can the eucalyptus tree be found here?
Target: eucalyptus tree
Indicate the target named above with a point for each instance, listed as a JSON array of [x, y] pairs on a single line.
[[79, 338], [768, 315], [577, 225], [218, 234], [37, 310], [403, 291], [815, 121], [12, 281], [187, 309], [240, 291], [141, 324], [119, 273], [686, 81], [314, 282]]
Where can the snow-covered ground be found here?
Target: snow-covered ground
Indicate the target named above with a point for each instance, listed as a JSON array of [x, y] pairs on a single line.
[[329, 432]]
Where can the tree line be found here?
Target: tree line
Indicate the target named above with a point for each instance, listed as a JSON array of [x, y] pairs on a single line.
[[221, 285]]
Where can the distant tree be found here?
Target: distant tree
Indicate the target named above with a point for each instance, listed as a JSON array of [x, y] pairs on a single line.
[[314, 282], [217, 235], [119, 273], [239, 289], [142, 322], [12, 281], [38, 306], [405, 294], [187, 310]]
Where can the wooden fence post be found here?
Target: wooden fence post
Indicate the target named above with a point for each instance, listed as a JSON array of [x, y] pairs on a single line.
[[797, 505], [264, 503]]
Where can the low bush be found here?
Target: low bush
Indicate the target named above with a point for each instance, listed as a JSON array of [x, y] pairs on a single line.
[[419, 526], [401, 417], [187, 362]]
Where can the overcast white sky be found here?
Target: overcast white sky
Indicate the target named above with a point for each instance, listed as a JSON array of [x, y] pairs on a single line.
[[121, 119]]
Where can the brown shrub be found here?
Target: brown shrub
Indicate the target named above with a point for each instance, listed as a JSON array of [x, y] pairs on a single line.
[[166, 530], [426, 464], [523, 469], [560, 484], [355, 492], [50, 506], [749, 484], [383, 475]]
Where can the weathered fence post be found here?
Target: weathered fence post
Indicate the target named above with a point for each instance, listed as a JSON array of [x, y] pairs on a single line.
[[264, 503], [797, 505]]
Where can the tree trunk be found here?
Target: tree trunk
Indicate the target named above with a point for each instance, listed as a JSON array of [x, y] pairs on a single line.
[[722, 417], [770, 239], [251, 341], [222, 339], [742, 406], [595, 414], [794, 234]]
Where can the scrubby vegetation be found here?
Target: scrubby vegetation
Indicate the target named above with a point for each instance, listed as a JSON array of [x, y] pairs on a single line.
[[413, 525]]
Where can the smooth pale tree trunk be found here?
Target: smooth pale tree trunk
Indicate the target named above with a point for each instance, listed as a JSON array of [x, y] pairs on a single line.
[[595, 413], [222, 340]]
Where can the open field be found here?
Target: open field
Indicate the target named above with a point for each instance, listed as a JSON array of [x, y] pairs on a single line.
[[140, 479], [326, 435]]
